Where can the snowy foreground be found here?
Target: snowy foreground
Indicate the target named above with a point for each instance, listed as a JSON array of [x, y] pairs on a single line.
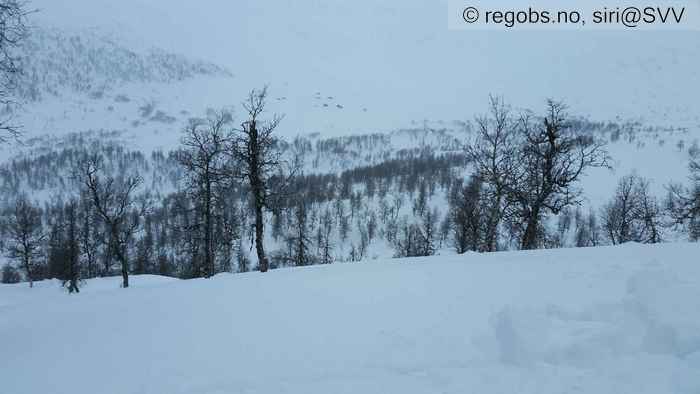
[[605, 320]]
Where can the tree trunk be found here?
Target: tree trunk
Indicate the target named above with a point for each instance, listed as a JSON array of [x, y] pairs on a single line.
[[529, 241], [73, 285], [123, 259], [28, 268], [258, 189], [89, 263], [125, 268], [125, 275], [259, 229], [208, 255], [492, 225]]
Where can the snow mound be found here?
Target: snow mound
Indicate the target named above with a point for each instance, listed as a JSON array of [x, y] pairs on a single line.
[[655, 324]]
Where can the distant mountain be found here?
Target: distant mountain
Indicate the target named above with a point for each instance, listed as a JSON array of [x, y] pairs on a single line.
[[57, 62]]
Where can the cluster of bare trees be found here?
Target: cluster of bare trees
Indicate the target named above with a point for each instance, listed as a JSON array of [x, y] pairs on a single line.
[[111, 216], [419, 238], [64, 244], [526, 169], [633, 215], [524, 193], [103, 214], [26, 236], [683, 202], [207, 169], [472, 217], [114, 201], [218, 158]]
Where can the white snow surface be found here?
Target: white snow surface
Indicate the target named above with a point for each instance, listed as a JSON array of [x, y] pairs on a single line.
[[338, 67], [602, 320]]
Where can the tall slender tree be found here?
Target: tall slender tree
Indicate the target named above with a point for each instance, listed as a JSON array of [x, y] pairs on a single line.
[[493, 154], [255, 148], [72, 245], [300, 237], [26, 235]]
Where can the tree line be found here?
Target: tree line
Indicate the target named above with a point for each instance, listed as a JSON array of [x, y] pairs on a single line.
[[239, 193]]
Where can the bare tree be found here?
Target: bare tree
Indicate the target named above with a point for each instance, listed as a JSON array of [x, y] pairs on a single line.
[[63, 246], [254, 147], [300, 238], [633, 214], [466, 217], [683, 203], [417, 239], [325, 230], [587, 230], [650, 214], [429, 231], [619, 214], [407, 239], [89, 241], [13, 29], [114, 201], [26, 235], [493, 154], [72, 246], [204, 160], [550, 163]]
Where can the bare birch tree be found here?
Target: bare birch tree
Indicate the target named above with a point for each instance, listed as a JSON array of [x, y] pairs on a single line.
[[115, 202], [254, 149]]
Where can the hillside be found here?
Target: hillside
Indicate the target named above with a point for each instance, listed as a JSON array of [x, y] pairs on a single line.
[[601, 320], [341, 68]]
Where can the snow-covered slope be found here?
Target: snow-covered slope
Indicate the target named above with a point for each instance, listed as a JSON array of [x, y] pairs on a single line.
[[92, 67], [63, 63], [78, 80], [339, 67], [603, 320]]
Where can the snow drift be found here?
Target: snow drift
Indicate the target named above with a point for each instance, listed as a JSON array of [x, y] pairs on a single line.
[[602, 320]]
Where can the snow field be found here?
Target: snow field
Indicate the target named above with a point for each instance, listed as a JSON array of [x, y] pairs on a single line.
[[601, 320]]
